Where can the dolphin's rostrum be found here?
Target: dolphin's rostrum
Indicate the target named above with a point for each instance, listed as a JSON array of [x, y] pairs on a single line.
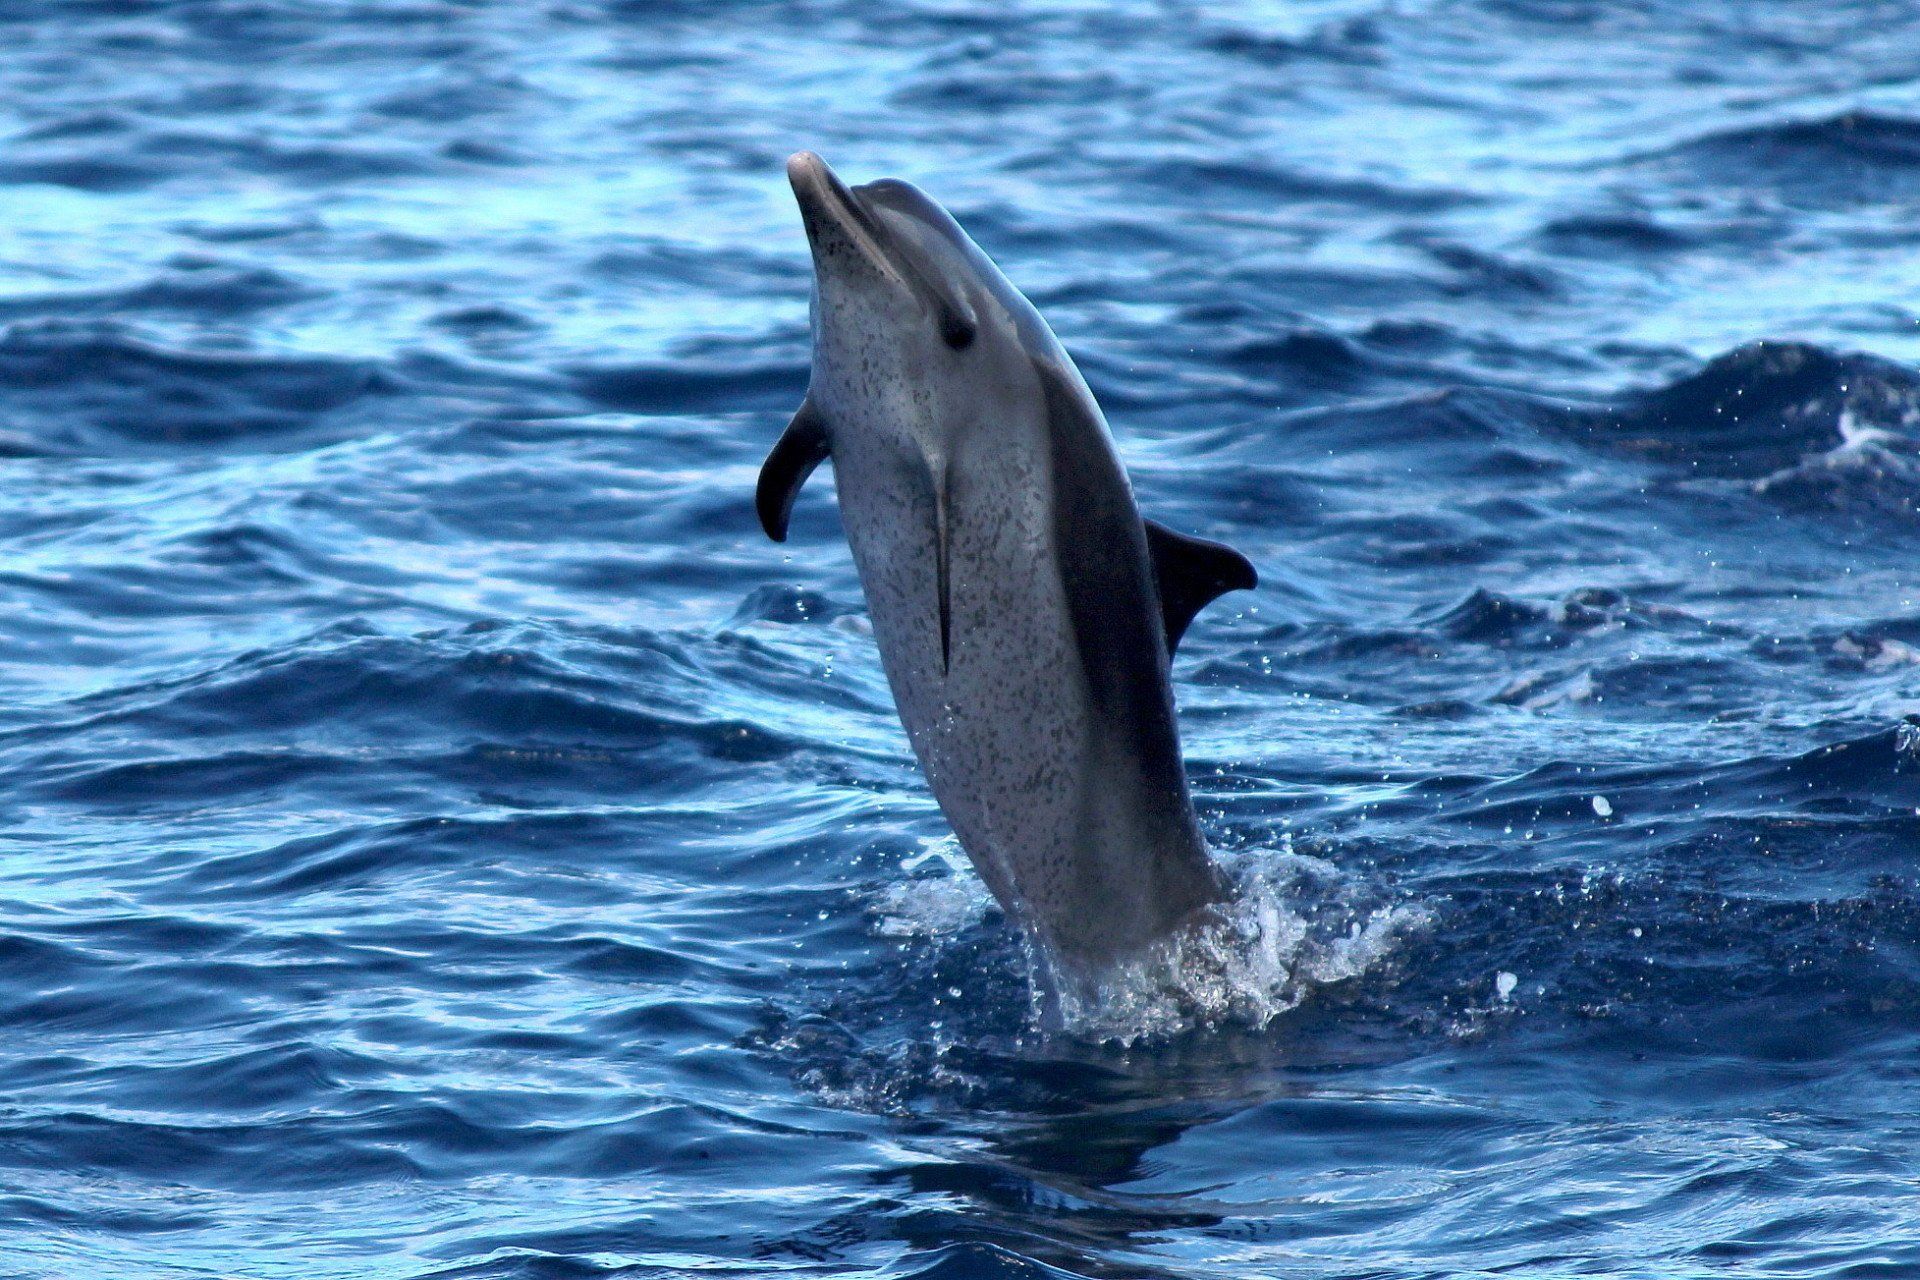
[[1024, 611]]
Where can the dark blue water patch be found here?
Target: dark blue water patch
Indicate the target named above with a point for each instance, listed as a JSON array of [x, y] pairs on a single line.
[[1354, 39], [1763, 408], [478, 678], [198, 286], [202, 1156], [1484, 274], [243, 233], [454, 100], [179, 155], [319, 163], [647, 266], [1248, 182], [1489, 618], [81, 172], [1320, 360], [1870, 777], [679, 388], [483, 324], [1005, 93], [791, 605], [1461, 431], [89, 124], [1602, 236], [1843, 159], [80, 386]]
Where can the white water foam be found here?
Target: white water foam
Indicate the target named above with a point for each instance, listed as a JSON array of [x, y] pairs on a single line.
[[1296, 924], [941, 895]]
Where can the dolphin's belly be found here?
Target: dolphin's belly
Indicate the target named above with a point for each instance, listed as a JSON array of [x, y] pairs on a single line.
[[1051, 813], [1002, 730]]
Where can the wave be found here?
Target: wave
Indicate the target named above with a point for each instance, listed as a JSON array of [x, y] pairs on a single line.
[[1849, 157], [71, 386], [153, 159], [1603, 235], [1795, 423], [685, 388], [1812, 427], [561, 712], [1244, 180], [196, 286], [1344, 40]]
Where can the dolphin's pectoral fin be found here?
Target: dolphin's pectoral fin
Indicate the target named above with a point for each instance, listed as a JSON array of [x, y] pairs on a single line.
[[801, 448], [1191, 572]]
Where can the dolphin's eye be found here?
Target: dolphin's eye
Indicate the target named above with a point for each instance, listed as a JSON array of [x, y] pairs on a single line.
[[956, 330]]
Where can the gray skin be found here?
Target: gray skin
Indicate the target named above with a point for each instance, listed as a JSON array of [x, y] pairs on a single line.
[[1009, 576]]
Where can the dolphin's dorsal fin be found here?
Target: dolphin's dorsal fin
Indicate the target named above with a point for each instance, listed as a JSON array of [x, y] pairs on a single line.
[[1190, 572], [801, 448]]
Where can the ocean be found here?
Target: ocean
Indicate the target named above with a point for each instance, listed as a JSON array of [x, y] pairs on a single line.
[[440, 836]]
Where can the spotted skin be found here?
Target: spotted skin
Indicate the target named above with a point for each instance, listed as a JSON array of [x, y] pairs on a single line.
[[1045, 725]]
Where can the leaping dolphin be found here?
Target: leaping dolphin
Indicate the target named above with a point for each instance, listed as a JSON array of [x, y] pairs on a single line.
[[1025, 612]]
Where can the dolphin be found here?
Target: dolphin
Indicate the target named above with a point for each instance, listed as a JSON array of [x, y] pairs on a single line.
[[1025, 613]]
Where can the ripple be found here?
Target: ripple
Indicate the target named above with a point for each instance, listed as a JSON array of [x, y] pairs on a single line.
[[1846, 158]]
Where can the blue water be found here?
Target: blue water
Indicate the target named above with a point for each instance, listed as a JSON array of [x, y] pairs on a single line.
[[443, 837]]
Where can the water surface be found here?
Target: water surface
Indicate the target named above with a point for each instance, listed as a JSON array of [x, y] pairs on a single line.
[[444, 838]]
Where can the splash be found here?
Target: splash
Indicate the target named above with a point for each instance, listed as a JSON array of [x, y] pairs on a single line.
[[940, 896], [1294, 926]]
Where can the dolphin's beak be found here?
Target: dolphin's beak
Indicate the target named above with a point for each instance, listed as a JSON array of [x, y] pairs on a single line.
[[837, 217], [833, 215]]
